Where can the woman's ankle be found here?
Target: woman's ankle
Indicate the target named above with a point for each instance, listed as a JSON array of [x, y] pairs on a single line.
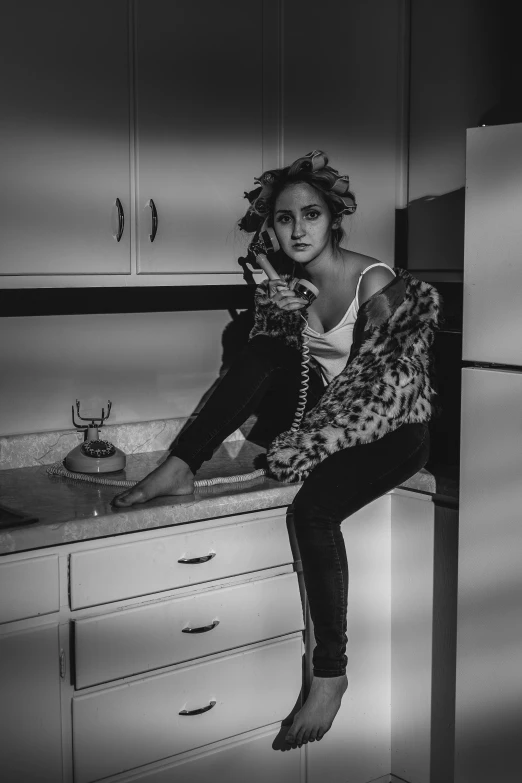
[[178, 465]]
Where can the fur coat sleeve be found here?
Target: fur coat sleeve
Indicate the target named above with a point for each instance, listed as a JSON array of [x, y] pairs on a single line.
[[386, 381]]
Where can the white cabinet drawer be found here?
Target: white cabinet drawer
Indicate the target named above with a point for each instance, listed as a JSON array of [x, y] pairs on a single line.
[[114, 573], [137, 640], [129, 725], [253, 760], [29, 588]]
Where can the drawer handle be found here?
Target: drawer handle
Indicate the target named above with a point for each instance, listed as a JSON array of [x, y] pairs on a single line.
[[201, 629], [198, 712], [194, 560]]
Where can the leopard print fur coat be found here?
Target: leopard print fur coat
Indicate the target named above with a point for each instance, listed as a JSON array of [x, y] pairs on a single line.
[[387, 380]]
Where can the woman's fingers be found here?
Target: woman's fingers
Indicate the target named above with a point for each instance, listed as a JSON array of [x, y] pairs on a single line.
[[287, 300], [291, 303], [284, 297], [274, 286], [298, 304]]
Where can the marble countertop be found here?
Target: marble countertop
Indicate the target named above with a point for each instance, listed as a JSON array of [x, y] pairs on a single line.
[[69, 510]]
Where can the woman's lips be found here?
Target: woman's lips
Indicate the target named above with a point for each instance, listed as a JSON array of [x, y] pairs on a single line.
[[300, 246]]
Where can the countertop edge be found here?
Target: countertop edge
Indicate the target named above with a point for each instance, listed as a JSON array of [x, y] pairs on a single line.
[[211, 503]]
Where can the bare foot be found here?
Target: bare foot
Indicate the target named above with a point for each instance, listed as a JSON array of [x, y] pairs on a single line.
[[172, 477], [319, 710]]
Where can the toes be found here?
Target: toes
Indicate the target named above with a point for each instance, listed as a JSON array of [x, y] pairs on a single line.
[[291, 739], [291, 734], [128, 498], [305, 737], [119, 500], [299, 737]]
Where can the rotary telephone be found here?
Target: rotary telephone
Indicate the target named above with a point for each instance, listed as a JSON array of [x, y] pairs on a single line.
[[94, 455]]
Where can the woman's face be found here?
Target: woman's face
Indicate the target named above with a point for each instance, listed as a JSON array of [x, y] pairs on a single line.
[[302, 222]]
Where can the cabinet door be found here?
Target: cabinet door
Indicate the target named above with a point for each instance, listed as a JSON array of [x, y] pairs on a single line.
[[64, 138], [199, 130], [254, 759], [136, 723], [30, 729]]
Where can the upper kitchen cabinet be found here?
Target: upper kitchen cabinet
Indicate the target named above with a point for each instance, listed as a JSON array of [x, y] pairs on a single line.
[[130, 131], [64, 141], [199, 131]]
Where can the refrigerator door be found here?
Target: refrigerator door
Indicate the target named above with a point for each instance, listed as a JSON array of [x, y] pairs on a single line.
[[492, 325], [489, 638]]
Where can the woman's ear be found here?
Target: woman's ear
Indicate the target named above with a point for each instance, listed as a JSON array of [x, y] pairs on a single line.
[[336, 223]]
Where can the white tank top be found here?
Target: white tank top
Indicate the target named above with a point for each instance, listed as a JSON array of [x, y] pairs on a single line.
[[332, 348]]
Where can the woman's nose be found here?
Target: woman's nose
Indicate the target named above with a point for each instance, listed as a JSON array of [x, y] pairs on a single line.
[[298, 231]]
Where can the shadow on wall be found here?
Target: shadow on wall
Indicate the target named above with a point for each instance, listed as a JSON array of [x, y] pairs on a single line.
[[434, 226], [234, 338], [436, 231], [503, 113]]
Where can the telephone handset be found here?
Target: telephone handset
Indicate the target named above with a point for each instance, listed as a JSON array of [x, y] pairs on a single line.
[[266, 242]]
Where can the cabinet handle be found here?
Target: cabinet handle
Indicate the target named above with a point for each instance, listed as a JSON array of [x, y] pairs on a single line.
[[194, 560], [202, 628], [199, 711], [154, 212], [121, 220]]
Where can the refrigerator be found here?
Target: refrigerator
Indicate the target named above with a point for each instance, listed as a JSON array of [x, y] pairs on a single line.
[[488, 708]]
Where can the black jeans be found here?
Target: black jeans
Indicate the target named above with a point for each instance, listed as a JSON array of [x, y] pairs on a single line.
[[266, 378]]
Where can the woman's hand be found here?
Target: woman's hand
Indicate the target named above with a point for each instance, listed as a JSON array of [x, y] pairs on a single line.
[[282, 294]]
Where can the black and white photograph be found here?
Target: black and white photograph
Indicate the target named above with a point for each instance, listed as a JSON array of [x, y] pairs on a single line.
[[260, 391]]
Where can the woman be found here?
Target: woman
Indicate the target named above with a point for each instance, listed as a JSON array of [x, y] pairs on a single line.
[[364, 431]]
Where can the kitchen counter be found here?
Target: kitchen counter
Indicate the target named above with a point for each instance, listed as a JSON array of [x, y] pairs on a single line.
[[70, 510], [96, 600]]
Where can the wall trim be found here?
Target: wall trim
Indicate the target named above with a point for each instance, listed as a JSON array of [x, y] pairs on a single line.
[[403, 104]]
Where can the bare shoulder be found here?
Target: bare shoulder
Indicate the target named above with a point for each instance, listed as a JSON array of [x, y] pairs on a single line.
[[374, 279]]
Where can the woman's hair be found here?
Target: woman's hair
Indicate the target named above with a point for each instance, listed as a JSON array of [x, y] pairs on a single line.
[[311, 169]]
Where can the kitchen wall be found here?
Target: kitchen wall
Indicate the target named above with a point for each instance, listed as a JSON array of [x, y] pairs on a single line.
[[339, 94], [151, 365]]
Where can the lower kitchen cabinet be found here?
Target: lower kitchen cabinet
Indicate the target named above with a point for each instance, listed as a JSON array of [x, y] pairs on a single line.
[[256, 758], [134, 724], [118, 644], [174, 654], [30, 720]]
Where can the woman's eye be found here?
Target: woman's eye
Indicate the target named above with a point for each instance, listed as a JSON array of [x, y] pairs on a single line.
[[283, 219], [312, 214]]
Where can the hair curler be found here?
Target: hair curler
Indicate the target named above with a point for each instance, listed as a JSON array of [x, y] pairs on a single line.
[[266, 243]]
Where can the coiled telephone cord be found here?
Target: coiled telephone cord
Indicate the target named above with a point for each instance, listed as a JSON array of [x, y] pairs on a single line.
[[58, 469], [305, 380]]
